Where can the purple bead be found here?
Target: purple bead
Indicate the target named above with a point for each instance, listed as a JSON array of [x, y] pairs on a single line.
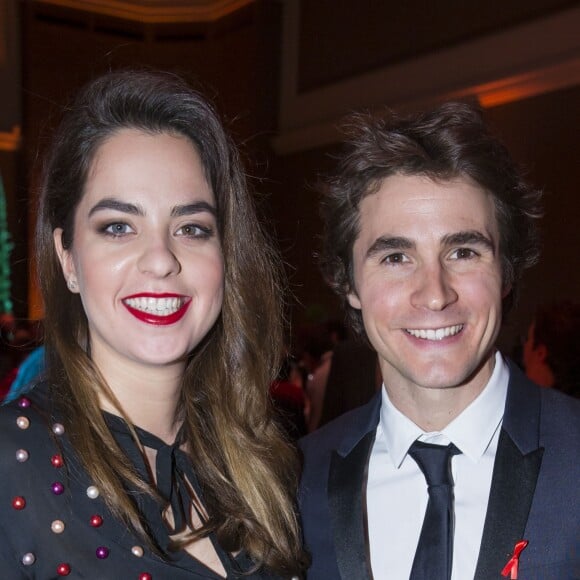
[[24, 402], [57, 488], [102, 552]]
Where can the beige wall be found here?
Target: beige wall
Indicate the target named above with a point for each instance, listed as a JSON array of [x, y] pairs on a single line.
[[239, 63], [541, 133]]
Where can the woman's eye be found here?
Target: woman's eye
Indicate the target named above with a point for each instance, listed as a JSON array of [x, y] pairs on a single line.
[[194, 231], [117, 229]]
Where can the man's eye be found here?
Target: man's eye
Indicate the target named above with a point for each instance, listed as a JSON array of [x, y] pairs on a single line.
[[396, 258], [463, 254]]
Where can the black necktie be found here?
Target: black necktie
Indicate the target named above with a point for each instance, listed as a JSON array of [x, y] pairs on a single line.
[[433, 557]]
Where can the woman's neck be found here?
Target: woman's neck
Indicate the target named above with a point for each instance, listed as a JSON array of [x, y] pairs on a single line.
[[148, 396]]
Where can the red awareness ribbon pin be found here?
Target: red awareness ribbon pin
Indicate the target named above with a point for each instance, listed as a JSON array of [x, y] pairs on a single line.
[[512, 566]]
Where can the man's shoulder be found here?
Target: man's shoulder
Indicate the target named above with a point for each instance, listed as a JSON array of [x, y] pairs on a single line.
[[561, 412], [553, 415], [552, 401], [348, 427]]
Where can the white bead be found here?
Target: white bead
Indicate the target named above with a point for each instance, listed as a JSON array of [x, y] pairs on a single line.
[[137, 551], [22, 455], [58, 429], [57, 526], [93, 492], [28, 559], [23, 422]]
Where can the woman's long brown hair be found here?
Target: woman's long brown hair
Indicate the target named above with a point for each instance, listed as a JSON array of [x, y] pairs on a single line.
[[246, 470]]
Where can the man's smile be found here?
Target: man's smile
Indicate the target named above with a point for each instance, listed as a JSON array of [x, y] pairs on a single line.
[[435, 333]]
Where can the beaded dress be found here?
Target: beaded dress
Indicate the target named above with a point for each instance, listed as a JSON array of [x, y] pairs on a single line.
[[54, 522]]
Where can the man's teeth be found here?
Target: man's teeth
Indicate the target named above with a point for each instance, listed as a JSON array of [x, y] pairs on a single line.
[[157, 306], [436, 333]]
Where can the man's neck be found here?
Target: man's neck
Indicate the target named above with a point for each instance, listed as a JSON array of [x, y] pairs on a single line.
[[432, 409]]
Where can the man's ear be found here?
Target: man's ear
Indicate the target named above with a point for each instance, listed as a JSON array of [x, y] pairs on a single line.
[[506, 290], [66, 260], [541, 352]]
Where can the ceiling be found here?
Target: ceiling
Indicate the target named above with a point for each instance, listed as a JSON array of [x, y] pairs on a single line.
[[156, 11]]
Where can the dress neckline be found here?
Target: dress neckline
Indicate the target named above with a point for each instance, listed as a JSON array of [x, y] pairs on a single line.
[[176, 483]]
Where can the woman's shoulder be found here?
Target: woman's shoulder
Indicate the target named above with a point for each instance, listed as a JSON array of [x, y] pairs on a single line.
[[27, 417], [28, 436], [36, 401]]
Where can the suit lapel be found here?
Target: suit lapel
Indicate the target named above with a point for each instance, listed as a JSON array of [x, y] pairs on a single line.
[[347, 492], [515, 473], [346, 497], [512, 490]]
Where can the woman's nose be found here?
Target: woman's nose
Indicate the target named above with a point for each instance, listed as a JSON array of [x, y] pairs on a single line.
[[158, 259]]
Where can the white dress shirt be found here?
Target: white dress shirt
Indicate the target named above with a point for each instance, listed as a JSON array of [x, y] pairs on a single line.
[[397, 491]]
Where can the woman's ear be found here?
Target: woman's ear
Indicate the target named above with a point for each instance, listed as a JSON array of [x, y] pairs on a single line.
[[66, 261], [353, 300]]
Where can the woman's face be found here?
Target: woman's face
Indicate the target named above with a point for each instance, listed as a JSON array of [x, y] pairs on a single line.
[[146, 256]]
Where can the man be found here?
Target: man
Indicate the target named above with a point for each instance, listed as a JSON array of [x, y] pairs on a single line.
[[428, 227], [551, 353]]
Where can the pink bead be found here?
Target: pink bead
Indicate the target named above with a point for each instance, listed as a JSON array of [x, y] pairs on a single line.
[[23, 422], [58, 429], [145, 576], [93, 492], [22, 456], [57, 526]]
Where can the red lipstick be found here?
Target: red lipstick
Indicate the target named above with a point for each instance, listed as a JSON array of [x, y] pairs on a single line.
[[156, 319]]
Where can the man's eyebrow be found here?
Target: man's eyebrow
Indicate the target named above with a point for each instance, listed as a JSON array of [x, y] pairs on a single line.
[[389, 243], [115, 204], [468, 237], [192, 208]]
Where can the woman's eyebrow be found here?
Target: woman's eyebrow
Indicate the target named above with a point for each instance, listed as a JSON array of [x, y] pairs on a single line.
[[133, 209], [115, 204], [192, 208]]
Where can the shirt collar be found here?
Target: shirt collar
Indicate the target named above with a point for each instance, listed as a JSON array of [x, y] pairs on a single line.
[[472, 431]]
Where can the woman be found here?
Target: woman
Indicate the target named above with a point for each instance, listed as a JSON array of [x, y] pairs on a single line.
[[149, 451]]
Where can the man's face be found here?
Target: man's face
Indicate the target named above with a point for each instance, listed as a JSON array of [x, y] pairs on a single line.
[[428, 282]]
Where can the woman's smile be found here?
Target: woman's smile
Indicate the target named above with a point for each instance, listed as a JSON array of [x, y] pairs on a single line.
[[146, 252], [158, 309]]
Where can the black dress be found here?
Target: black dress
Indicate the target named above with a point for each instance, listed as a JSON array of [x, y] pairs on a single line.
[[54, 522]]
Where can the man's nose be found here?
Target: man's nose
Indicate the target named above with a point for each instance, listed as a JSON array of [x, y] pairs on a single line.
[[434, 289]]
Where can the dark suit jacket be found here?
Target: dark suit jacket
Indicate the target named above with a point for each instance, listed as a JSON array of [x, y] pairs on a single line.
[[535, 492]]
